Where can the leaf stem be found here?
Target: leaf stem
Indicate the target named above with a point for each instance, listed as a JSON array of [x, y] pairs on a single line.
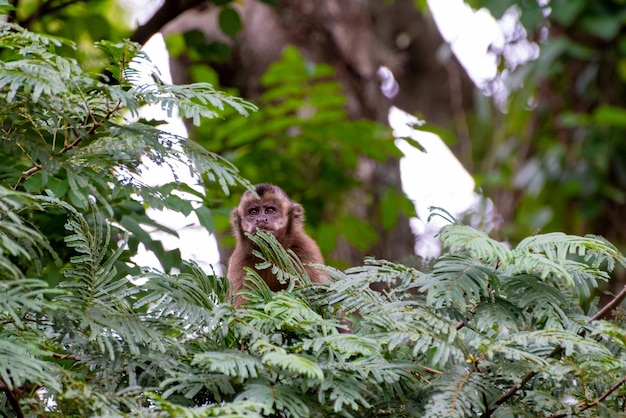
[[585, 406], [33, 170], [558, 349], [15, 404]]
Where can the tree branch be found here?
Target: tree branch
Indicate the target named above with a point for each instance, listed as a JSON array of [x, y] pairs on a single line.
[[15, 403], [62, 356], [524, 380], [33, 170], [606, 310], [601, 314], [616, 386], [168, 12], [585, 406], [46, 8]]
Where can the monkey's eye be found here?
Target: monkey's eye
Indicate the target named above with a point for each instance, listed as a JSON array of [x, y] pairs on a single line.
[[270, 210], [253, 211]]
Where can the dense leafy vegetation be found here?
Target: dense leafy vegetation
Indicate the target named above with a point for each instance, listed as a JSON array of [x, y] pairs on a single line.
[[454, 342]]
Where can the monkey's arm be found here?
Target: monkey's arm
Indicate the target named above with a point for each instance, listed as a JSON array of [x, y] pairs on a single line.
[[236, 275], [309, 253]]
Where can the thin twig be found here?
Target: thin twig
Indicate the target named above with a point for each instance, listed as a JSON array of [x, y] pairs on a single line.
[[601, 314], [62, 356], [15, 403], [585, 406], [606, 310], [34, 170], [524, 380], [431, 371]]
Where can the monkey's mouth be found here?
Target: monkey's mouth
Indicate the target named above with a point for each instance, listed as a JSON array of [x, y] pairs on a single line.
[[267, 231]]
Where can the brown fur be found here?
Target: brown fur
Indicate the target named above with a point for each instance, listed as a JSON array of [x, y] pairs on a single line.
[[278, 214]]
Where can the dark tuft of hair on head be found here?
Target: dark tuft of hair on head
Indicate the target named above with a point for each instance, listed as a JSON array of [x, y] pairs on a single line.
[[262, 189]]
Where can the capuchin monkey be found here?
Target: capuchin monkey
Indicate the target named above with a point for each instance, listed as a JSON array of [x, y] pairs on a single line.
[[275, 213]]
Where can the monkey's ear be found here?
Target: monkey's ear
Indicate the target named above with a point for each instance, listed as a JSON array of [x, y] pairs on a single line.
[[297, 213], [235, 220]]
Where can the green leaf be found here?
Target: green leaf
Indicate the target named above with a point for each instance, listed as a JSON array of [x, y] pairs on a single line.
[[34, 183], [205, 216], [566, 11], [175, 43], [293, 363], [605, 27], [462, 238], [57, 186], [390, 205], [5, 6], [79, 195], [610, 116], [215, 52], [229, 21], [446, 136], [273, 3], [357, 231], [231, 362], [194, 38]]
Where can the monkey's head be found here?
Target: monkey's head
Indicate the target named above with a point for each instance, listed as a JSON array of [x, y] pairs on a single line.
[[272, 211]]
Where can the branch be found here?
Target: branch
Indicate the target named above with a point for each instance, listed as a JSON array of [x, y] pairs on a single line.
[[15, 404], [606, 310], [168, 12], [524, 380], [26, 174], [33, 170], [62, 356], [601, 314], [46, 8], [585, 406], [430, 370], [616, 386]]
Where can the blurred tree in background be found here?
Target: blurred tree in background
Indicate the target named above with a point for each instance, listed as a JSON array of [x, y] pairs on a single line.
[[547, 152], [552, 145], [311, 140], [351, 183], [552, 156]]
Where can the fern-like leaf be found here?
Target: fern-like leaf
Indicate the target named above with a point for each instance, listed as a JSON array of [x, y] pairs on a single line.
[[460, 282], [459, 238], [232, 363]]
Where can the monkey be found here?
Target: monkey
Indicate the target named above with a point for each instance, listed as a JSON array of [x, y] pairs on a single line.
[[272, 212]]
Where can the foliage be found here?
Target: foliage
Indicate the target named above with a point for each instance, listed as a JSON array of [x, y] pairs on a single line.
[[88, 21], [303, 139], [74, 143], [319, 133], [80, 137], [563, 121], [490, 330]]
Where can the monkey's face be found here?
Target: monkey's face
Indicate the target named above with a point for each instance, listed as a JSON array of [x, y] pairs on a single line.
[[267, 214]]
